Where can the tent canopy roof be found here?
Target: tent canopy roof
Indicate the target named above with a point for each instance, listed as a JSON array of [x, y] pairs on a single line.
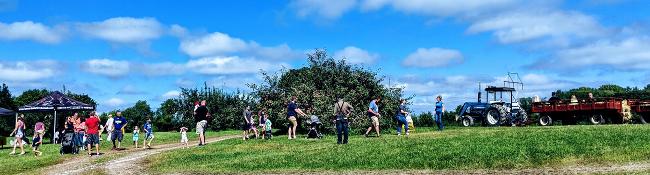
[[4, 112], [56, 101]]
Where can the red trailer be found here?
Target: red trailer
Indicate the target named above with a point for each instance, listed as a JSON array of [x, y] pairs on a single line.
[[597, 111]]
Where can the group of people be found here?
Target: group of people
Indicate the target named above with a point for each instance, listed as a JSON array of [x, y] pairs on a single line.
[[343, 109], [21, 136]]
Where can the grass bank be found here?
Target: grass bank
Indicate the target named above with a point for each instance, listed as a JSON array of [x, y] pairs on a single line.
[[29, 163], [453, 149]]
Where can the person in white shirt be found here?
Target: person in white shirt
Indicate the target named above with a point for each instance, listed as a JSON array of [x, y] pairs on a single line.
[[109, 127]]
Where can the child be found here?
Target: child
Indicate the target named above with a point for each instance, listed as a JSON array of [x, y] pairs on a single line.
[[267, 128], [37, 139], [148, 129], [136, 136], [184, 137]]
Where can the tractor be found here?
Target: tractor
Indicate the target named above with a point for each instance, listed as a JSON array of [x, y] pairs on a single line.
[[496, 110]]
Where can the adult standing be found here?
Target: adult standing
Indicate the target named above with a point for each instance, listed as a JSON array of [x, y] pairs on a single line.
[[440, 108], [119, 122], [401, 118], [78, 131], [373, 114], [92, 125], [200, 116], [248, 125], [341, 111], [109, 127], [19, 130], [292, 112]]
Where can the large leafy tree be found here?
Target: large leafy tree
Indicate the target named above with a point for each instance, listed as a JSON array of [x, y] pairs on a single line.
[[319, 84], [137, 115]]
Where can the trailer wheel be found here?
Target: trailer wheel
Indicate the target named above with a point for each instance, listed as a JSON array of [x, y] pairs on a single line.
[[545, 120], [642, 119], [597, 119], [492, 117], [467, 121]]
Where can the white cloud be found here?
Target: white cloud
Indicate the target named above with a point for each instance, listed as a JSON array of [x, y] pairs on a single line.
[[171, 94], [355, 55], [440, 7], [26, 71], [123, 29], [213, 44], [28, 30], [630, 54], [227, 65], [106, 67], [519, 26], [115, 102], [160, 69], [433, 57], [323, 8], [221, 44], [131, 90]]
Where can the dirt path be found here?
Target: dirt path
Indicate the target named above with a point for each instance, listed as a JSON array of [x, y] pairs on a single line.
[[127, 162]]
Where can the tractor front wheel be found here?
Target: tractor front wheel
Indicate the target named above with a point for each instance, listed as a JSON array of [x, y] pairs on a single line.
[[467, 121]]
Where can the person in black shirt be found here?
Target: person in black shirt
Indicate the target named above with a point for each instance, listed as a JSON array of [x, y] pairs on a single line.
[[200, 116]]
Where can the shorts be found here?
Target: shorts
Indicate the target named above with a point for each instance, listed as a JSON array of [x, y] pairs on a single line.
[[19, 134], [93, 139], [200, 126], [136, 138], [148, 136], [117, 135], [247, 126], [374, 120], [35, 143], [292, 119]]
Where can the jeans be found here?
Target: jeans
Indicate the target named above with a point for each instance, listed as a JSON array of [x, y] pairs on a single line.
[[401, 120], [438, 118], [78, 139], [342, 131]]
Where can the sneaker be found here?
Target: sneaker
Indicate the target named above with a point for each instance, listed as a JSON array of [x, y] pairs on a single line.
[[12, 153], [399, 134], [22, 153], [407, 134], [365, 135]]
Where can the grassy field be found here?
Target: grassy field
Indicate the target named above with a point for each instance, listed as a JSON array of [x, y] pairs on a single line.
[[453, 149], [30, 163]]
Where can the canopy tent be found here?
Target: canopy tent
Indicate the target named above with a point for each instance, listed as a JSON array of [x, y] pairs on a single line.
[[5, 112], [56, 101]]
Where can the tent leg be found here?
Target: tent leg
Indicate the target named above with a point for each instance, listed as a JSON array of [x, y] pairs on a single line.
[[54, 129]]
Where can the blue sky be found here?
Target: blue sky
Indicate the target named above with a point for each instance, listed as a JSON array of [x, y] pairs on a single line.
[[123, 51]]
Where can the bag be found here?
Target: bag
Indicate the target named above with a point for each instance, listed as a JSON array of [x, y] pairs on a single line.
[[339, 112]]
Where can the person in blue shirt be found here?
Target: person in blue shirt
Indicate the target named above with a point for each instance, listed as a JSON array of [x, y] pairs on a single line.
[[401, 118], [119, 123], [373, 114], [292, 113], [440, 108], [148, 129]]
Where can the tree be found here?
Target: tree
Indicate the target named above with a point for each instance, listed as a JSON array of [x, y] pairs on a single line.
[[137, 115], [319, 84], [7, 102]]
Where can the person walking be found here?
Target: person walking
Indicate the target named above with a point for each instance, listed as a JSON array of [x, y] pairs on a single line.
[[119, 123], [292, 112], [92, 125], [341, 111], [109, 128], [373, 114], [148, 133], [248, 125], [200, 116], [401, 118], [440, 108], [19, 131], [136, 136]]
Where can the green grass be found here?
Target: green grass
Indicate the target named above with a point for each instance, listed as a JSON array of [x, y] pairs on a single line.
[[453, 149], [51, 156]]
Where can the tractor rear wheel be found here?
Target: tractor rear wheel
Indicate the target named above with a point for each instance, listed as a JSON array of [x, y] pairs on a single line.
[[492, 117], [597, 119], [545, 120], [467, 121]]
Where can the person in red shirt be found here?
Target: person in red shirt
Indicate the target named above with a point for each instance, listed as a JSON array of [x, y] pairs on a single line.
[[92, 130]]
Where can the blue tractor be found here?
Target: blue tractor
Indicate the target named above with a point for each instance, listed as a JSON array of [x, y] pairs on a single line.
[[498, 109]]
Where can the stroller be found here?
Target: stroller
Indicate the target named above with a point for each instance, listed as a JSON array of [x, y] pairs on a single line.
[[67, 143], [313, 129]]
